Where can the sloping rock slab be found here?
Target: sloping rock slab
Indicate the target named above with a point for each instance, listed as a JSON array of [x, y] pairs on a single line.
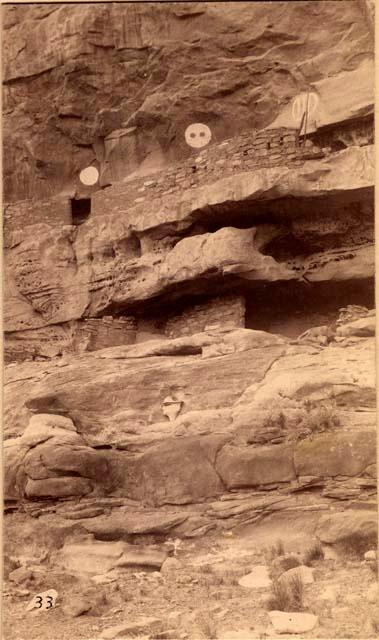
[[132, 629], [94, 557], [247, 467], [337, 453], [118, 525], [338, 526], [258, 578]]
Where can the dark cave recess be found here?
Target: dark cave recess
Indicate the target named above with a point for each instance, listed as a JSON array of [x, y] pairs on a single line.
[[286, 308]]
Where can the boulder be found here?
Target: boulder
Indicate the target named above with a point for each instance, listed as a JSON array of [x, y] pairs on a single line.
[[250, 466], [292, 622], [14, 474], [171, 565], [121, 523], [49, 460], [363, 327], [62, 487], [258, 578], [96, 557], [304, 573], [335, 527], [21, 575], [160, 477], [373, 593], [146, 625], [329, 595], [90, 557], [336, 453], [43, 426]]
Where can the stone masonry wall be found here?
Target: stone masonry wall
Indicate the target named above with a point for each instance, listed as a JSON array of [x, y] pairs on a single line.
[[55, 212], [76, 336], [250, 150], [226, 312], [100, 333]]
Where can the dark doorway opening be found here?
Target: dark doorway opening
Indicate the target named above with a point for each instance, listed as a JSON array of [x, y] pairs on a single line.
[[80, 210]]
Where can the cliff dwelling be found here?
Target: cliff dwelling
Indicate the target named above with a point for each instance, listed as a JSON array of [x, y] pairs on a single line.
[[189, 321]]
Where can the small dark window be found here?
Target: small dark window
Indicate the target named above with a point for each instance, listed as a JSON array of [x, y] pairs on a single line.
[[281, 140], [268, 145], [194, 169], [80, 210]]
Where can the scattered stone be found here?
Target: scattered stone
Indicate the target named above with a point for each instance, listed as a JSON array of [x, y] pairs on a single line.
[[339, 611], [20, 575], [370, 555], [292, 622], [43, 601], [171, 564], [305, 573], [76, 607], [90, 512], [335, 527], [144, 625], [103, 579], [9, 565], [352, 598], [258, 578], [329, 595], [98, 558], [373, 593], [21, 592]]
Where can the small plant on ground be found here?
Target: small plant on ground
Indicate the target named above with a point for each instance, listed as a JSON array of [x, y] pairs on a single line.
[[275, 551], [281, 564], [287, 595], [275, 421], [319, 417], [356, 544], [315, 552], [207, 625]]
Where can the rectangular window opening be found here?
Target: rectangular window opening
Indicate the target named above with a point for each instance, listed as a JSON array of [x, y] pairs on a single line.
[[80, 210]]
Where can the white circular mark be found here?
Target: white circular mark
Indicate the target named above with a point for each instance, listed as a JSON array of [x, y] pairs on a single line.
[[198, 135], [89, 176]]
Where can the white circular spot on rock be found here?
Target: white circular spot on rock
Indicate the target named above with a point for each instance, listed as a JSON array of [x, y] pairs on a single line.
[[198, 135], [89, 176]]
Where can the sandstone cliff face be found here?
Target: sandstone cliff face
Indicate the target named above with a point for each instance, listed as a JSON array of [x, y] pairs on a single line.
[[192, 314], [120, 83]]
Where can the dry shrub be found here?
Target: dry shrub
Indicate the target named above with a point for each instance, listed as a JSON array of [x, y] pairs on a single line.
[[281, 564], [356, 544], [206, 624], [319, 417], [287, 595], [315, 552], [275, 551]]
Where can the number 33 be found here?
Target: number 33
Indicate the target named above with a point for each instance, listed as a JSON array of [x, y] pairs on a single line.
[[39, 602]]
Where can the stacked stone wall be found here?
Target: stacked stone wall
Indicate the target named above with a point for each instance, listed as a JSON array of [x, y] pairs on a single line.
[[226, 312]]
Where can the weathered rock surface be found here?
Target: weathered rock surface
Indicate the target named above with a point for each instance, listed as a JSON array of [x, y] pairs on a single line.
[[292, 622], [94, 557], [338, 526], [249, 467], [258, 578], [96, 272], [219, 409], [333, 454], [143, 625], [241, 75]]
